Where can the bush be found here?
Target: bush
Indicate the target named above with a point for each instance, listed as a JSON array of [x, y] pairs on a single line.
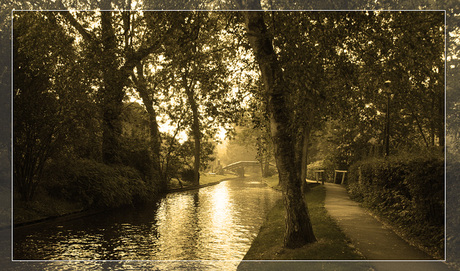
[[188, 175], [453, 209], [137, 156], [270, 172], [96, 184], [408, 190]]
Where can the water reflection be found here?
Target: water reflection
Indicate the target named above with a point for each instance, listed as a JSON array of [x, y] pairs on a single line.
[[201, 226]]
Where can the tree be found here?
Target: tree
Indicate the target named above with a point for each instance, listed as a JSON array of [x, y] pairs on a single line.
[[371, 75], [198, 61], [307, 51], [117, 51], [47, 93], [298, 226], [147, 93], [393, 68], [258, 134]]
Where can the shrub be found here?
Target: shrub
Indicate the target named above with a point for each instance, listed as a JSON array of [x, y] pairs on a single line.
[[188, 175], [270, 172], [137, 156], [408, 190], [96, 184], [453, 209]]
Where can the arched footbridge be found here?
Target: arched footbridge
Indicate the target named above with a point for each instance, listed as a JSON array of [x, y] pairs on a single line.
[[238, 167]]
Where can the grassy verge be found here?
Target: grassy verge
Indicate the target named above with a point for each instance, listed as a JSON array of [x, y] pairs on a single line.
[[205, 179], [332, 243], [212, 178], [272, 181]]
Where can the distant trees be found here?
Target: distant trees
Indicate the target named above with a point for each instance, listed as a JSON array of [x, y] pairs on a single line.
[[360, 74], [198, 63], [395, 102]]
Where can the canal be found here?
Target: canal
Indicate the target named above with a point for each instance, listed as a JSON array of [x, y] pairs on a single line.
[[208, 228]]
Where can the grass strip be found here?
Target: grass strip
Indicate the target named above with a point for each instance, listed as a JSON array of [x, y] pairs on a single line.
[[332, 244], [205, 179]]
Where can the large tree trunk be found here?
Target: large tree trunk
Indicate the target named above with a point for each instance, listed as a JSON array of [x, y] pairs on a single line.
[[303, 159], [441, 128], [386, 138], [155, 136], [298, 226], [113, 93], [196, 133]]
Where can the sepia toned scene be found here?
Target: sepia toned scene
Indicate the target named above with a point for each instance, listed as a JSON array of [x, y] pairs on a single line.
[[217, 140]]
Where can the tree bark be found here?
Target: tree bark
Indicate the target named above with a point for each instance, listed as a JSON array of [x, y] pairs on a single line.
[[155, 136], [298, 231], [195, 131], [387, 128], [441, 129], [304, 160], [113, 93]]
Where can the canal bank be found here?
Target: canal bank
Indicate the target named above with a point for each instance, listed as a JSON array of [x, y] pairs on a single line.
[[45, 208]]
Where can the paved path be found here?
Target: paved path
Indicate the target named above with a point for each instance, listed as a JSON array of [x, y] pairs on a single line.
[[371, 238]]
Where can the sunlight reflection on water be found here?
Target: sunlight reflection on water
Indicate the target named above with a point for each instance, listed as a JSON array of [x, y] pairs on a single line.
[[214, 223]]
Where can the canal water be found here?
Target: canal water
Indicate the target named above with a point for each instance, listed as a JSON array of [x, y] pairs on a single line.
[[208, 228]]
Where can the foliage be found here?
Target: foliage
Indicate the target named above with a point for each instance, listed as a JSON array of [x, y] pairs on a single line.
[[135, 146], [95, 184], [50, 103], [185, 152], [408, 190], [453, 208], [197, 63], [188, 175], [241, 147], [136, 155]]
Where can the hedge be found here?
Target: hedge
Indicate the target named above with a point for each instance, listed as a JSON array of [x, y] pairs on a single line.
[[453, 209], [409, 191]]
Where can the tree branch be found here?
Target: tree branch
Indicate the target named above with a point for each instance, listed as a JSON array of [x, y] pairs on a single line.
[[71, 19]]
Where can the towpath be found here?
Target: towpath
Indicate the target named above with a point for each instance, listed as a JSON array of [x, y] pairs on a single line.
[[380, 245]]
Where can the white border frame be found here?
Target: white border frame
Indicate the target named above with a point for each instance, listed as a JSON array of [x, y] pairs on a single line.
[[236, 10]]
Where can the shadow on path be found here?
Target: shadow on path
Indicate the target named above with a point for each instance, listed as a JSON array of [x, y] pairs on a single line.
[[372, 239]]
